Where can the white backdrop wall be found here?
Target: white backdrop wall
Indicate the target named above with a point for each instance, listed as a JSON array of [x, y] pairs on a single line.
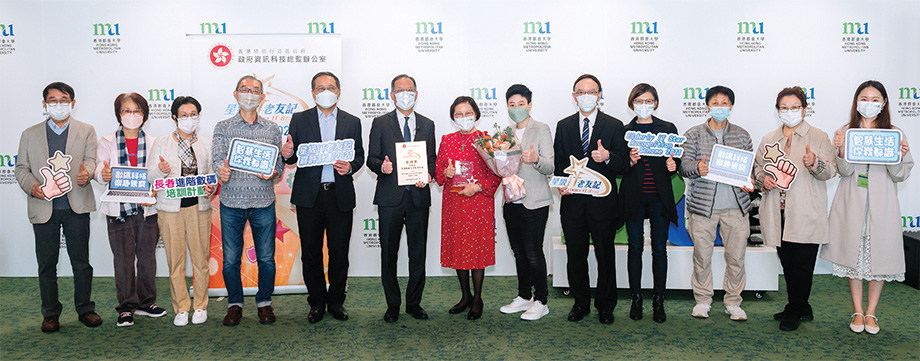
[[478, 48]]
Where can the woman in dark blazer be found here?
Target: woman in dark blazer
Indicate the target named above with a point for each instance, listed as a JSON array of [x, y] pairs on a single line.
[[646, 193]]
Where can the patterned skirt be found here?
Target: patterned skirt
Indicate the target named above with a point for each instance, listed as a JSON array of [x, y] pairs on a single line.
[[864, 266]]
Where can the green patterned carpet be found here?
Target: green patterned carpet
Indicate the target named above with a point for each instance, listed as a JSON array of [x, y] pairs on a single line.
[[494, 336]]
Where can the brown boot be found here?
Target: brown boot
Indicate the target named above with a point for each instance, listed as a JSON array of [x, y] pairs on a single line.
[[51, 324], [234, 314]]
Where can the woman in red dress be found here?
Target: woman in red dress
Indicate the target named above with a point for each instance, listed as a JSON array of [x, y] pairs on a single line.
[[468, 206]]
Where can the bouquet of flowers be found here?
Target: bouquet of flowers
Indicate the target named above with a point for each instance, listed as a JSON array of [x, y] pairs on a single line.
[[502, 154]]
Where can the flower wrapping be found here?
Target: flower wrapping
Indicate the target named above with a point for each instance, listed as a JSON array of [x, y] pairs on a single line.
[[502, 154]]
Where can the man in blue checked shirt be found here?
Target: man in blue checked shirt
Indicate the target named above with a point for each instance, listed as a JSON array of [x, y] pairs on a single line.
[[247, 197]]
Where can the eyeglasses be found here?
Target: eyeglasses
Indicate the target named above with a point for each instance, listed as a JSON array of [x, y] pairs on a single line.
[[249, 90], [397, 91], [53, 102], [645, 101], [467, 114], [135, 112], [579, 93], [320, 88], [795, 108]]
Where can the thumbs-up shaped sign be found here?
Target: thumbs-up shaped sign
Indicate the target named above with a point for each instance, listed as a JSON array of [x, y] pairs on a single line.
[[387, 166], [670, 163], [287, 150], [56, 184], [163, 165], [702, 167], [783, 171], [809, 158], [450, 171], [82, 176], [530, 156], [600, 154], [225, 172], [106, 171]]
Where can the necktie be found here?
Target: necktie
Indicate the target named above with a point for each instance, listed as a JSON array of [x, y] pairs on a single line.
[[584, 137], [407, 135]]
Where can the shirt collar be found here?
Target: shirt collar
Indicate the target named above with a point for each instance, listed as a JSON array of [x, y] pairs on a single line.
[[591, 117], [332, 116], [55, 128], [259, 119], [402, 117], [803, 128]]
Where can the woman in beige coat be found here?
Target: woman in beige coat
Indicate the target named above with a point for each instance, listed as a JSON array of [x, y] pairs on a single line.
[[793, 214], [865, 236]]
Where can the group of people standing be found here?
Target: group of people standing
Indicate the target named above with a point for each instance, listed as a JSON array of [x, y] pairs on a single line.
[[858, 236]]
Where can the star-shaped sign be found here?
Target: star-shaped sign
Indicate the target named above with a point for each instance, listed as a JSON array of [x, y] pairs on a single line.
[[772, 152], [576, 166], [472, 180], [59, 162]]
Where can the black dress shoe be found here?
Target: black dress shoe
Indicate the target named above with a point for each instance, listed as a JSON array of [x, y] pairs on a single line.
[[392, 314], [475, 311], [606, 317], [338, 312], [635, 311], [578, 312], [417, 312], [790, 324], [658, 314], [315, 315], [459, 307], [779, 316]]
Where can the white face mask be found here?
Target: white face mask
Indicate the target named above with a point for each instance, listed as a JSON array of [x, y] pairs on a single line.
[[790, 117], [405, 100], [132, 121], [248, 101], [869, 109], [188, 125], [326, 99], [643, 111], [466, 123], [59, 111], [587, 102]]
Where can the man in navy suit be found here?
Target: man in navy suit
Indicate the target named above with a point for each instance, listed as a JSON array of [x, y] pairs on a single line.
[[324, 196], [406, 204], [589, 133]]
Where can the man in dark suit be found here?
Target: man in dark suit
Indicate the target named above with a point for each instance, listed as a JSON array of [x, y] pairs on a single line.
[[591, 133], [406, 204], [324, 196]]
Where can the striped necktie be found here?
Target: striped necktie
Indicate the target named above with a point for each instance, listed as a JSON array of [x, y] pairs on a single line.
[[584, 137]]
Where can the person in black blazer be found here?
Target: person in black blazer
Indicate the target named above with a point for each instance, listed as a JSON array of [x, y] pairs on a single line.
[[398, 205], [324, 196], [591, 133], [647, 193]]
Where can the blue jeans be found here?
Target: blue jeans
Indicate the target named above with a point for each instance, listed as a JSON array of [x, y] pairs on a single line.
[[232, 223], [659, 228]]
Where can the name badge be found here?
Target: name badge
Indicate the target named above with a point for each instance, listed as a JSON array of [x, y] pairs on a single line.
[[862, 181]]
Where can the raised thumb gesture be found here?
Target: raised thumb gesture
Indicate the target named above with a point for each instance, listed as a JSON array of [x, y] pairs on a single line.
[[600, 154], [163, 165], [387, 166]]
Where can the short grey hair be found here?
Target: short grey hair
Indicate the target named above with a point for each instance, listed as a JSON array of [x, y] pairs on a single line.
[[248, 77]]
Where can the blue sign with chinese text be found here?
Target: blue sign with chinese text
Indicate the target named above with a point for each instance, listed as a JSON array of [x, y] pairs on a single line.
[[252, 157], [873, 146]]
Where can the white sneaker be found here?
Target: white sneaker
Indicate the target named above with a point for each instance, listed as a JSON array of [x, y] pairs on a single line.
[[517, 305], [535, 312], [181, 319], [200, 316], [736, 312], [701, 310]]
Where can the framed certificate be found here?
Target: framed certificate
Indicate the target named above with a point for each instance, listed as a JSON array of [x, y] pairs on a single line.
[[411, 163], [873, 146]]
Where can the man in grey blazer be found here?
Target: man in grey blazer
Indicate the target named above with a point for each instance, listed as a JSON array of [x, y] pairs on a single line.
[[49, 210]]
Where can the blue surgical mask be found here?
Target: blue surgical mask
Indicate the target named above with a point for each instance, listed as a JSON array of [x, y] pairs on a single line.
[[720, 113]]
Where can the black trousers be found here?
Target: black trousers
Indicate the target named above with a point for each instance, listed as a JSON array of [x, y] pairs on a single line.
[[798, 262], [526, 228], [325, 216], [391, 224], [134, 251], [578, 231], [47, 250]]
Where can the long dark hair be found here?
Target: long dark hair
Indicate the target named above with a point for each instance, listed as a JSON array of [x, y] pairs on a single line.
[[883, 120]]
